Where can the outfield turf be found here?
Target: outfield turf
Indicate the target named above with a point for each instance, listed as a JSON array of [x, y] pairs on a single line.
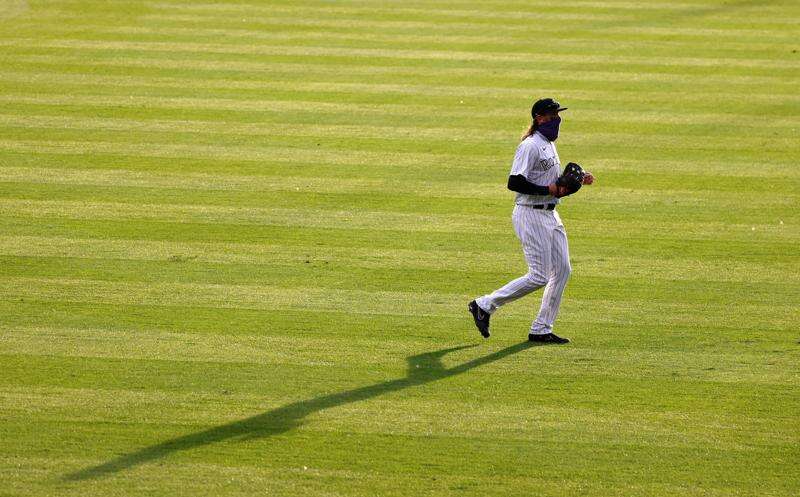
[[237, 241]]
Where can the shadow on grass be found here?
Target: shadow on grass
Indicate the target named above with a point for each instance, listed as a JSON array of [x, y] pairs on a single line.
[[422, 369]]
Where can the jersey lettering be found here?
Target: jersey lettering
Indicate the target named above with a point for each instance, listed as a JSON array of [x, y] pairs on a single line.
[[547, 163]]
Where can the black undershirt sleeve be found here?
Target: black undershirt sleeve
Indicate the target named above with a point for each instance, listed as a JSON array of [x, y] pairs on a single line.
[[519, 184]]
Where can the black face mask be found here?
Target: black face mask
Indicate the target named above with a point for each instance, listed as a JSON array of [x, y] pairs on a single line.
[[550, 128]]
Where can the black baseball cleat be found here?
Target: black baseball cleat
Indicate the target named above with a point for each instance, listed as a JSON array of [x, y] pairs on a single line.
[[547, 338], [481, 318]]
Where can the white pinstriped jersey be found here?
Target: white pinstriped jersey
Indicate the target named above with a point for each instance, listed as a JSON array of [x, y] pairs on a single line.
[[537, 160]]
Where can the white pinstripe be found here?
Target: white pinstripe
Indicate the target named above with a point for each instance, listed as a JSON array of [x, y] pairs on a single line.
[[544, 243]]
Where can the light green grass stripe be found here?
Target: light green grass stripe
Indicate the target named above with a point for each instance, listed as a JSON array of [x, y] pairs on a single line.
[[309, 171], [780, 37], [608, 266], [448, 55], [290, 478], [397, 416], [375, 155], [349, 219], [655, 427], [727, 367], [440, 89], [266, 154], [405, 141], [317, 351], [740, 31], [648, 119], [263, 104], [272, 298], [574, 41], [695, 7], [365, 66], [387, 185], [495, 9], [610, 12], [327, 10], [359, 219], [698, 204]]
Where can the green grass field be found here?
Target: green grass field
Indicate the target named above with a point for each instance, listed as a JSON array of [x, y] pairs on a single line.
[[237, 241]]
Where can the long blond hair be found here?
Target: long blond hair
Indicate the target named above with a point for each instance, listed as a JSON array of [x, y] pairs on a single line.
[[531, 130]]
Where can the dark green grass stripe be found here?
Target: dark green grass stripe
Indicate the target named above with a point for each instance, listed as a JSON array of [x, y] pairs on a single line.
[[661, 27], [701, 364], [350, 100], [377, 303], [376, 150], [678, 267], [648, 121], [659, 288], [200, 53], [352, 218], [493, 176], [559, 41], [603, 146], [400, 138], [238, 187], [130, 406], [700, 205], [447, 40], [508, 78], [597, 244], [681, 393], [427, 331], [360, 111]]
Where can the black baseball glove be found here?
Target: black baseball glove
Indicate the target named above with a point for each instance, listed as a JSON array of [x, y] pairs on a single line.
[[570, 180]]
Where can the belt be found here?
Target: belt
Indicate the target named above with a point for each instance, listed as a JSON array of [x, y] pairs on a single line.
[[549, 207]]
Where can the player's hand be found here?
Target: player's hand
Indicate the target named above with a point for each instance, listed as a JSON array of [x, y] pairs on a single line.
[[557, 191], [588, 178]]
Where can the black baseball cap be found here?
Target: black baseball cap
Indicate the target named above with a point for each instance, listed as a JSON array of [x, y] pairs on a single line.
[[546, 105]]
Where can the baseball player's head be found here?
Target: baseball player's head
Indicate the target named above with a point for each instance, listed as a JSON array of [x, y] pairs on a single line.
[[545, 118]]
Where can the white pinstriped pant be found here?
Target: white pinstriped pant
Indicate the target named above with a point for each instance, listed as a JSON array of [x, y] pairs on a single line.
[[544, 243]]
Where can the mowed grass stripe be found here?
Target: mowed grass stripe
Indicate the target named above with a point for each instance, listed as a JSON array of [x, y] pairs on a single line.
[[511, 11], [332, 11], [428, 331], [583, 135], [378, 53], [28, 181], [190, 408], [659, 289], [730, 171], [596, 244], [584, 121], [267, 297], [722, 205], [674, 268], [725, 367], [440, 138], [435, 164], [305, 149], [357, 219], [722, 417], [466, 75], [366, 38], [457, 39], [373, 108], [741, 30], [199, 477]]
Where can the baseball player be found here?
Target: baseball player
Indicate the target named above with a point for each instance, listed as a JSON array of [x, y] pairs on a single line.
[[536, 180]]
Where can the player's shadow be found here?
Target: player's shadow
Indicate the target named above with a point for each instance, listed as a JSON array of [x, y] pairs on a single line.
[[422, 369]]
